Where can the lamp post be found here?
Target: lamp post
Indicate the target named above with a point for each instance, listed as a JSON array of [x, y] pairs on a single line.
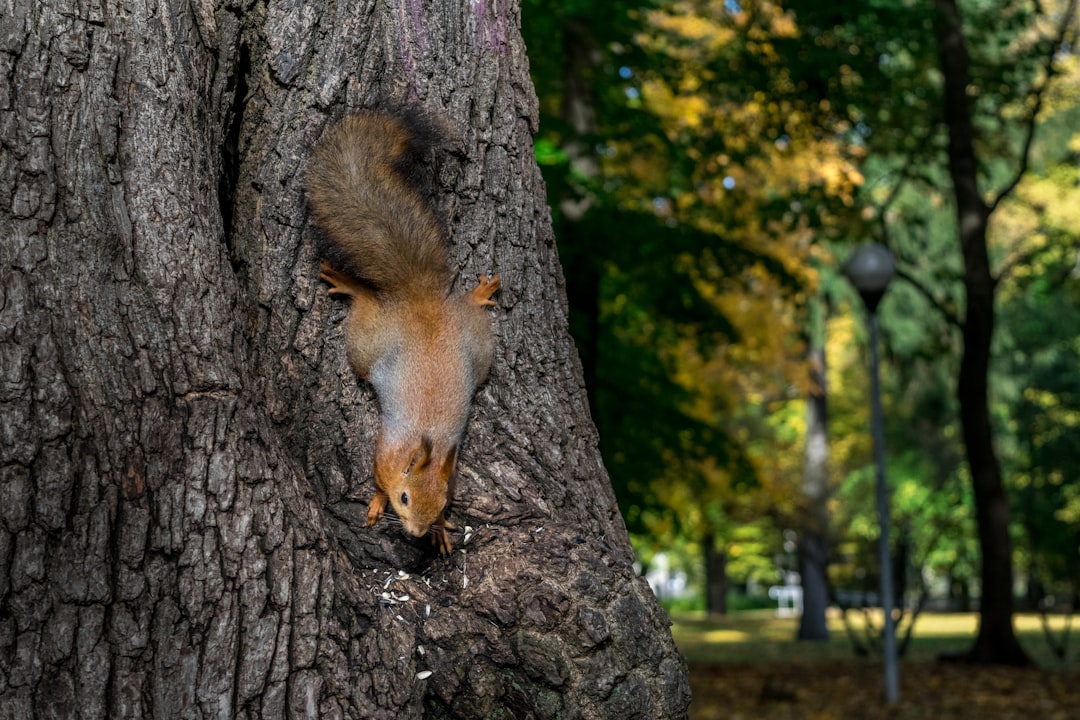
[[870, 269]]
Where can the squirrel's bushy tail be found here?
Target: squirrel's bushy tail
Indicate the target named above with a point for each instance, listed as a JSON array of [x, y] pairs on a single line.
[[366, 190]]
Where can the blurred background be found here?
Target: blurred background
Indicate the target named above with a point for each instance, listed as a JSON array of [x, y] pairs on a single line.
[[711, 166]]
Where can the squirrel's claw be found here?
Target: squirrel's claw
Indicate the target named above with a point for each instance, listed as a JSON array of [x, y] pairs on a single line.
[[440, 535], [440, 538]]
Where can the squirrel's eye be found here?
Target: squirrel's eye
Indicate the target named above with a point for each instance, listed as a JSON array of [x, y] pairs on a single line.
[[404, 498]]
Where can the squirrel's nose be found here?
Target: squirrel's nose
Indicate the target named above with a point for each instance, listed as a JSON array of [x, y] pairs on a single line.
[[416, 530]]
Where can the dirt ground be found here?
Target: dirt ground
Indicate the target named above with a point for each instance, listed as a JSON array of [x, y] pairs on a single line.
[[852, 690]]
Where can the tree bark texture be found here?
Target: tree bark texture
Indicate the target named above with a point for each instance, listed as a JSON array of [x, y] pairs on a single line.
[[186, 453], [996, 641]]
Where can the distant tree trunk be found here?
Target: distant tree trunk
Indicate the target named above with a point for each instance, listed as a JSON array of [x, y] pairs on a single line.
[[716, 579], [182, 441], [901, 564], [813, 563], [577, 244], [813, 549], [959, 593], [996, 641]]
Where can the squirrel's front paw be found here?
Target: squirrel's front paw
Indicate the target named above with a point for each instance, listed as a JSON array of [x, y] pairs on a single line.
[[440, 538], [440, 535], [375, 510]]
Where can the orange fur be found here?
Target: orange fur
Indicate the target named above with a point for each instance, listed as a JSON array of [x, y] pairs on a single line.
[[424, 350]]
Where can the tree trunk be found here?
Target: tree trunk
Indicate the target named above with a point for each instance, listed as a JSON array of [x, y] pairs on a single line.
[[716, 580], [576, 243], [182, 438], [813, 562], [996, 641], [813, 550]]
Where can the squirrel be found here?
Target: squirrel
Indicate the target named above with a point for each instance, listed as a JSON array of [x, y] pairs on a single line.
[[422, 348]]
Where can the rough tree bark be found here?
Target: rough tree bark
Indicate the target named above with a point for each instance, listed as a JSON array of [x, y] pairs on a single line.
[[996, 641], [182, 438]]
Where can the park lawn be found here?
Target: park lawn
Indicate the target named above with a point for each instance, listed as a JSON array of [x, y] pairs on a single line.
[[746, 665]]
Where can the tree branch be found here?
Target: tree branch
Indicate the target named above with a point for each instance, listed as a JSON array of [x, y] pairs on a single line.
[[1036, 96], [907, 172], [1019, 258], [948, 313]]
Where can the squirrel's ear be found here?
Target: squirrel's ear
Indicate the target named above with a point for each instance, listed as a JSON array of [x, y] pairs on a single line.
[[423, 454], [447, 469], [421, 457]]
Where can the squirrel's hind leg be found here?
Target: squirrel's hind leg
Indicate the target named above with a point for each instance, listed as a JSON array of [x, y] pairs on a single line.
[[340, 283], [481, 294]]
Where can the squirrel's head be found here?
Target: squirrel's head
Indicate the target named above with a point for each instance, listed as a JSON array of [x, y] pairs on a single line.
[[418, 479]]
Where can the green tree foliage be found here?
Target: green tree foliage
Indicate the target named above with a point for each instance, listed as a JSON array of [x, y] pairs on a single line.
[[678, 270], [703, 158], [995, 69], [1039, 399]]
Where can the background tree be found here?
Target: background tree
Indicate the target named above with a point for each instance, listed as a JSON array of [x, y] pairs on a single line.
[[817, 488], [1039, 399], [996, 641], [950, 107], [758, 130], [695, 211], [183, 437]]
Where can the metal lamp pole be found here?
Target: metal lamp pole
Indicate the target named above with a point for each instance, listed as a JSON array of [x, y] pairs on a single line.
[[870, 269]]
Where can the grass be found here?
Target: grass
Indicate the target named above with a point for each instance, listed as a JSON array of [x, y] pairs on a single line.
[[758, 635], [747, 665]]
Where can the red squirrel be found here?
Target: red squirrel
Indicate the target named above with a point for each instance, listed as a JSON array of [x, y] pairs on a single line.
[[423, 349]]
